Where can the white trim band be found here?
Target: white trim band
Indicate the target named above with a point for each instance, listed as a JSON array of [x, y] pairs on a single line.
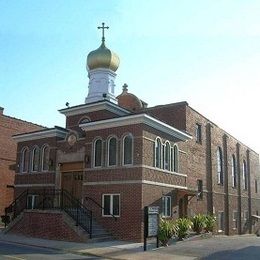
[[54, 132], [97, 106], [34, 185], [95, 183], [136, 119]]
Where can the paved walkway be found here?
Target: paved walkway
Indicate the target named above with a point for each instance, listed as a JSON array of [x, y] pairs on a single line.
[[107, 250], [218, 247]]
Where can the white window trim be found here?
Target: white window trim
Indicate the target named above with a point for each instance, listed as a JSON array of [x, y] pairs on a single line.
[[123, 149], [220, 164], [246, 214], [164, 159], [111, 204], [165, 208], [94, 152], [33, 196], [155, 148], [219, 228], [108, 143], [235, 220], [33, 155], [244, 175], [233, 171], [22, 160], [176, 158], [42, 157]]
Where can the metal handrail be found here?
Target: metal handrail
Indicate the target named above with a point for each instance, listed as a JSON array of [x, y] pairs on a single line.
[[88, 198], [54, 199]]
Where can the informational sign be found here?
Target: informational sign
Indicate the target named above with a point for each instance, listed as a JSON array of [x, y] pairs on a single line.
[[151, 223]]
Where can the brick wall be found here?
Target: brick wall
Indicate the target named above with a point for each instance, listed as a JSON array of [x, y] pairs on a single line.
[[9, 126], [47, 225]]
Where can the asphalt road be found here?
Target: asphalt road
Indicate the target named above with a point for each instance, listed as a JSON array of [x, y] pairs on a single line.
[[12, 251], [219, 248]]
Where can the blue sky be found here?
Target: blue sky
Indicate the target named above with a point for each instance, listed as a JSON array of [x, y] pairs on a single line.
[[205, 52]]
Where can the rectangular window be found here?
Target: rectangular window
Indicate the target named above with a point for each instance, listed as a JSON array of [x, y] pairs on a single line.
[[200, 189], [198, 133], [246, 216], [256, 186], [166, 206], [235, 219], [32, 201], [220, 221], [111, 205]]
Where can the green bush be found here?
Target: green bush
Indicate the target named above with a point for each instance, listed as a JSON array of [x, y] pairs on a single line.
[[183, 227], [210, 223], [198, 223], [167, 229]]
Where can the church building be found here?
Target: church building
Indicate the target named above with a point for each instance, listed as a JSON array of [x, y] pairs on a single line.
[[117, 155]]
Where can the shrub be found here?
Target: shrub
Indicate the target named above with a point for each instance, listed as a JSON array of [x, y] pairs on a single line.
[[210, 223], [198, 223], [183, 226], [167, 229]]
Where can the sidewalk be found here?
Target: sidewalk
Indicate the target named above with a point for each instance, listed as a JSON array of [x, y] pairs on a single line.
[[107, 250]]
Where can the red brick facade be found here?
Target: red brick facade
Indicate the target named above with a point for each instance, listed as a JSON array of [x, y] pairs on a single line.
[[9, 126], [142, 183]]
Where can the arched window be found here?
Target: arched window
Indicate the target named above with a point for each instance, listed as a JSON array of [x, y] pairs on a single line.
[[24, 161], [98, 153], [158, 153], [128, 150], [220, 175], [176, 158], [167, 156], [35, 159], [45, 157], [244, 175], [84, 120], [233, 171], [112, 151]]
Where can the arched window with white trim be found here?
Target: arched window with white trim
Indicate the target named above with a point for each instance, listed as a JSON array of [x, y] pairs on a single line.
[[220, 175], [158, 153], [98, 153], [167, 156], [244, 175], [45, 157], [233, 171], [112, 151], [176, 158], [24, 160], [35, 159], [128, 150]]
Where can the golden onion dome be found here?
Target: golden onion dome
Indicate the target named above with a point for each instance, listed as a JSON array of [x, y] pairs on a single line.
[[102, 58]]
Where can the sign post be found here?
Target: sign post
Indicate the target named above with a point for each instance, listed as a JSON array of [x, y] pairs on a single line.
[[151, 224]]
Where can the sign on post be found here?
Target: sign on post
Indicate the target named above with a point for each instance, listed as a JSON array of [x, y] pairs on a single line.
[[151, 224]]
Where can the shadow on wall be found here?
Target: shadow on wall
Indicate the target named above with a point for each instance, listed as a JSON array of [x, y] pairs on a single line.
[[250, 252]]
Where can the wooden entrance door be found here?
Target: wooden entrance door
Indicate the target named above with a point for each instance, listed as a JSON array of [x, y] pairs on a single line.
[[72, 179]]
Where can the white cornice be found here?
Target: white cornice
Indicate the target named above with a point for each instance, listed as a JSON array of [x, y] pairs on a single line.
[[154, 183], [53, 132], [94, 107], [136, 119]]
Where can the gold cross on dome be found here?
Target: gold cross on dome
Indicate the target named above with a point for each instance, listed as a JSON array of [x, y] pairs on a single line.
[[103, 27]]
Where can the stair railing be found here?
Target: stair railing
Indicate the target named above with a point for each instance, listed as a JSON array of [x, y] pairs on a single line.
[[53, 199], [88, 198]]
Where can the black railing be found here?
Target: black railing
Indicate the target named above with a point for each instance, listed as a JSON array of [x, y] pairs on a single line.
[[51, 199], [102, 208]]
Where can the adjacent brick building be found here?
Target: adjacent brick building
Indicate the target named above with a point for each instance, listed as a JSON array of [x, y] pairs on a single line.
[[9, 126], [117, 155]]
